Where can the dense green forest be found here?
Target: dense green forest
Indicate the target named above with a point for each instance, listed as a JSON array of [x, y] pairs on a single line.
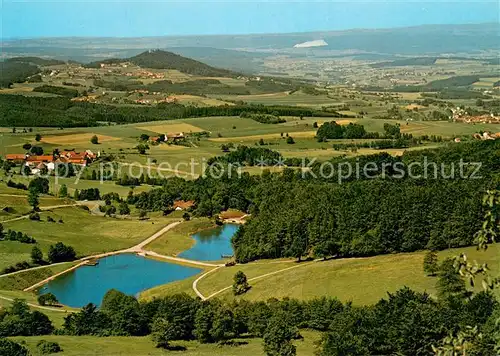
[[296, 215], [15, 72], [17, 110], [51, 89]]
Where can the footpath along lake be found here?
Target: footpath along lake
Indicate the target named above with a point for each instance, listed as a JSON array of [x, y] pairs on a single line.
[[131, 274]]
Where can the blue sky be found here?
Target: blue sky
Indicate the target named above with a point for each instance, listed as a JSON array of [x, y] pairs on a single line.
[[113, 18]]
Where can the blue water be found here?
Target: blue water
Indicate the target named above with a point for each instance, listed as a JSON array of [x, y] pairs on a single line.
[[127, 273], [212, 243]]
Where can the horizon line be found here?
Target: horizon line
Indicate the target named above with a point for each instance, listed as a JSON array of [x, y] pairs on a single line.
[[253, 33]]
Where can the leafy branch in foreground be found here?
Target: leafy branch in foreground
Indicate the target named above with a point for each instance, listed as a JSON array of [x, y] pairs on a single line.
[[463, 341]]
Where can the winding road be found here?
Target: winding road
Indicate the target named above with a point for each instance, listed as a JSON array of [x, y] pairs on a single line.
[[42, 208]]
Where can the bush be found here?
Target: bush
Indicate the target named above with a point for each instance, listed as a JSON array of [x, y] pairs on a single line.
[[10, 348], [240, 285], [47, 299], [41, 185], [35, 217], [48, 347], [61, 253], [13, 184]]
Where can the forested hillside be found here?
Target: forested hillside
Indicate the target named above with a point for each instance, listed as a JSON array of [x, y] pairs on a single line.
[[15, 72], [294, 216], [158, 59]]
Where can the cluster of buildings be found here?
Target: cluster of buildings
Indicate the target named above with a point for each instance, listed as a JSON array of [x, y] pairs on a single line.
[[156, 101], [169, 137], [39, 163], [487, 136], [461, 115], [146, 74]]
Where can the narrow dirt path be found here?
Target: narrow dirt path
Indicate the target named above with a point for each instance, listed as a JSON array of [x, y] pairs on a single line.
[[250, 280], [41, 283], [180, 260], [40, 306], [42, 208], [153, 237], [195, 283]]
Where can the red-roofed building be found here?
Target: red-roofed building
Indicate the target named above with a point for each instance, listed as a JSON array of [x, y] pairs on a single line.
[[16, 158], [38, 159], [183, 205]]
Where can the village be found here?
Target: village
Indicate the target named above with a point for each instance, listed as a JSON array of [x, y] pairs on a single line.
[[48, 162]]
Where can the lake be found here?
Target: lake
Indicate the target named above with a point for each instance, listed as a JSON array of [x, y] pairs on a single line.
[[127, 273], [212, 243]]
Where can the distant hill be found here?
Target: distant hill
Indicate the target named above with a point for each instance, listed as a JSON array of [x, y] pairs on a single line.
[[225, 51], [16, 72], [159, 59], [240, 61], [36, 61]]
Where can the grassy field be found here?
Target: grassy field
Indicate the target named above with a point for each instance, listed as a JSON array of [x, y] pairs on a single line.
[[56, 316], [142, 346], [87, 233], [360, 280], [26, 279], [19, 204]]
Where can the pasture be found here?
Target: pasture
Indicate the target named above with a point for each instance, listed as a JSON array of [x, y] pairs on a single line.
[[87, 233], [134, 346], [360, 280]]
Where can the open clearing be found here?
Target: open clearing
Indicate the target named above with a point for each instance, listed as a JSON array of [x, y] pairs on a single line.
[[171, 127], [360, 280], [142, 346], [76, 139]]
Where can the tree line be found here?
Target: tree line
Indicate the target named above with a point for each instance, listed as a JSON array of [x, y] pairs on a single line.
[[18, 110]]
